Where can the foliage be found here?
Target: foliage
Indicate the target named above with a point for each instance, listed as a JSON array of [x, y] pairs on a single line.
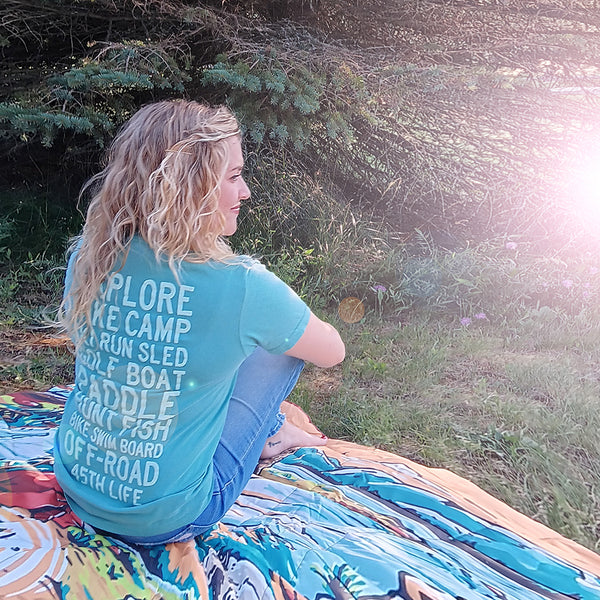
[[36, 222], [286, 103], [497, 280], [462, 119]]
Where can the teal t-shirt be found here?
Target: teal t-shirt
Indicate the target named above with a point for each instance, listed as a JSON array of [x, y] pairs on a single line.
[[134, 449]]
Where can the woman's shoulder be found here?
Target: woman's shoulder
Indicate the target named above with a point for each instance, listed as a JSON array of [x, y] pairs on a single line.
[[240, 262], [237, 266]]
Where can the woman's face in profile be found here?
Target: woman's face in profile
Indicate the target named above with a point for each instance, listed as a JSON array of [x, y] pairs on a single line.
[[233, 186]]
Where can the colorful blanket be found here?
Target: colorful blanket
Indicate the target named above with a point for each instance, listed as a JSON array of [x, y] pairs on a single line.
[[339, 522]]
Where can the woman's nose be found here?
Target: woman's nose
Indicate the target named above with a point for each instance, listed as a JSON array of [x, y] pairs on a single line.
[[245, 191]]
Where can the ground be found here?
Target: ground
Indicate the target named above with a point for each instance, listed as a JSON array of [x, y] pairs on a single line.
[[33, 360]]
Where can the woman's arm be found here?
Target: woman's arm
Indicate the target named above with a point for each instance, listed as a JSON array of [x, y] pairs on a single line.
[[320, 344]]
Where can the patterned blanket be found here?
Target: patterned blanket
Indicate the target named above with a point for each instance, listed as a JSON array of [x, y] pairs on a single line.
[[339, 522]]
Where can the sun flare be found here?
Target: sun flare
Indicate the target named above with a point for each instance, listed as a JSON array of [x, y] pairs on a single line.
[[588, 190], [584, 189]]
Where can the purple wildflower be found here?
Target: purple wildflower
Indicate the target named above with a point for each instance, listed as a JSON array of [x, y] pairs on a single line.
[[511, 245], [379, 288], [480, 316], [466, 321]]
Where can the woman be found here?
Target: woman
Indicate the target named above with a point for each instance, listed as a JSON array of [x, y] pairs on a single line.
[[184, 351]]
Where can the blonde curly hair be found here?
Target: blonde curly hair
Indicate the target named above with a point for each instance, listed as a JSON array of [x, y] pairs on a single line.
[[161, 181]]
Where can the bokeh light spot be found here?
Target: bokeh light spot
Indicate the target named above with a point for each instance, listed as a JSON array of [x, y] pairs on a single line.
[[351, 309]]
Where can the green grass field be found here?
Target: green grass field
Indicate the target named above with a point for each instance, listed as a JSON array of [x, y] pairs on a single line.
[[494, 376]]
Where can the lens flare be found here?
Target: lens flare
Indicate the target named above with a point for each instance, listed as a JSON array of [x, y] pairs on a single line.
[[582, 191], [588, 189], [351, 309], [583, 188]]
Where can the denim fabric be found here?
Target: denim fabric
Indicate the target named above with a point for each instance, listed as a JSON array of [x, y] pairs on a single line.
[[264, 381]]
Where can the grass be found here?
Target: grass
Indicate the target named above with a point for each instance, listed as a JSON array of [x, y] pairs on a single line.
[[515, 415], [31, 354], [507, 399]]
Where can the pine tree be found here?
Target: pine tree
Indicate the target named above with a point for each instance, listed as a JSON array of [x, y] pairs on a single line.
[[451, 116]]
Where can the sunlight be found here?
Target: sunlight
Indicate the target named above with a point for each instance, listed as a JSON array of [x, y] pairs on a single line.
[[584, 187], [588, 188]]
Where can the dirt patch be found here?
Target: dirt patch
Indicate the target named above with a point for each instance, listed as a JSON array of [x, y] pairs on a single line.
[[33, 360], [323, 382]]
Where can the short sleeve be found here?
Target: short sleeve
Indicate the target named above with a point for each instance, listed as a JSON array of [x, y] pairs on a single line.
[[273, 315]]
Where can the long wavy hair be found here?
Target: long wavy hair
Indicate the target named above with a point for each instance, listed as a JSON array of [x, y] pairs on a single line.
[[162, 182]]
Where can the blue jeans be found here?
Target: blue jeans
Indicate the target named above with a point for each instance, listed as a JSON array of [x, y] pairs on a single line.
[[264, 381]]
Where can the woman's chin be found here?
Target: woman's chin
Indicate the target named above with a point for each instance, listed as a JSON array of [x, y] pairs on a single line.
[[230, 229]]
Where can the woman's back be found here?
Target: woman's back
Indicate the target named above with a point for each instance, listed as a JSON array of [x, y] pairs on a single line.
[[154, 380]]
